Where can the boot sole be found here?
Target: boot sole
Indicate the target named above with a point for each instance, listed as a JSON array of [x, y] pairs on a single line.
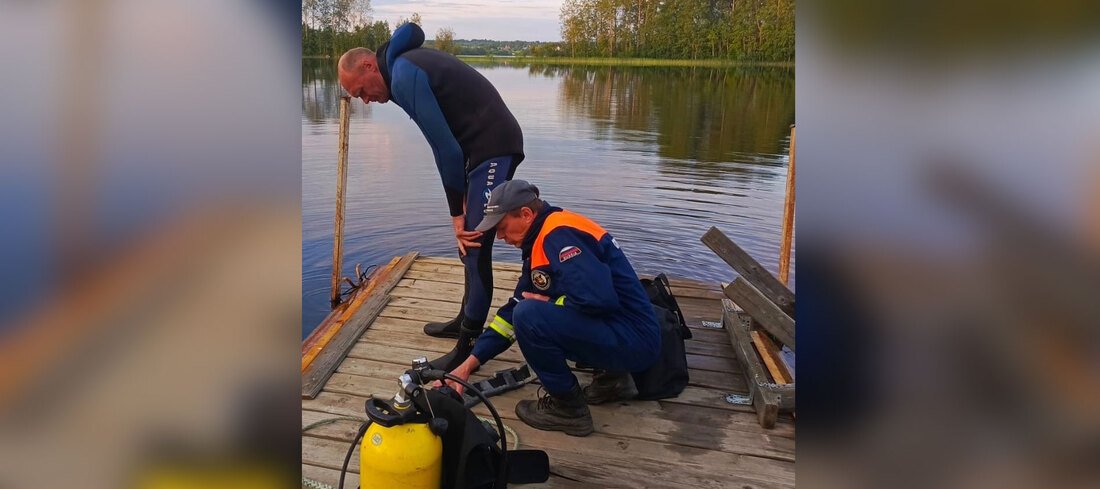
[[442, 334], [571, 430], [567, 429]]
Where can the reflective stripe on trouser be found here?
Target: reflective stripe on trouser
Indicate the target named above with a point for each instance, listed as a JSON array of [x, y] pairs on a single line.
[[479, 261], [550, 334]]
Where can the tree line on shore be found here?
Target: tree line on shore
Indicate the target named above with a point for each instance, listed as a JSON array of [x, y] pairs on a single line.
[[750, 30]]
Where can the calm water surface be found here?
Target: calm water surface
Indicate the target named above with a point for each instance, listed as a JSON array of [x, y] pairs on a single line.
[[655, 155]]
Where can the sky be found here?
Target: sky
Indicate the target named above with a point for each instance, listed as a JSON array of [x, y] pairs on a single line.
[[502, 20]]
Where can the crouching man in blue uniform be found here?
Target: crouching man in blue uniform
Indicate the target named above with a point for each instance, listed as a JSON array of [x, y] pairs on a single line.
[[577, 299], [475, 139]]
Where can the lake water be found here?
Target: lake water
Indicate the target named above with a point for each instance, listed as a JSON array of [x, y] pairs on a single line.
[[655, 155]]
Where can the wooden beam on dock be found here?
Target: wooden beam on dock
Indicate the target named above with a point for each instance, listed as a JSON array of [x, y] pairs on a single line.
[[746, 266], [770, 354], [324, 332], [770, 316], [768, 398], [788, 220], [321, 368]]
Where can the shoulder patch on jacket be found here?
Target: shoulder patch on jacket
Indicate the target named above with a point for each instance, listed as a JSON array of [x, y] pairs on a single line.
[[540, 279], [567, 253]]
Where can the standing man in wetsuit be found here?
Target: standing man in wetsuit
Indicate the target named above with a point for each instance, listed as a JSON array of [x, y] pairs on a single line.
[[477, 145]]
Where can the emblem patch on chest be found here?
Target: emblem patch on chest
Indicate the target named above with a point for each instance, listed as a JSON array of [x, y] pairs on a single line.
[[567, 253], [541, 279]]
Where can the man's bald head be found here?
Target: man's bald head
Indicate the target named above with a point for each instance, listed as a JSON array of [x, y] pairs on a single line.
[[359, 75], [352, 60]]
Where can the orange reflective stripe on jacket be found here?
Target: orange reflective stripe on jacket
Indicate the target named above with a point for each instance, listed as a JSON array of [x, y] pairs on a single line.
[[556, 220]]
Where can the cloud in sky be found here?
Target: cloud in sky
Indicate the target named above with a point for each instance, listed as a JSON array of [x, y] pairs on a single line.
[[504, 20]]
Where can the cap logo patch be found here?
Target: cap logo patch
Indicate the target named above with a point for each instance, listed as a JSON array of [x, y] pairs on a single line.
[[567, 253], [541, 279], [488, 193]]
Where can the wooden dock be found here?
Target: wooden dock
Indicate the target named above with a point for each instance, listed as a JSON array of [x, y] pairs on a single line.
[[697, 440]]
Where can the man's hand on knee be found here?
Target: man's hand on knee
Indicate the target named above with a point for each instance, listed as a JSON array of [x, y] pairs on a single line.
[[466, 239]]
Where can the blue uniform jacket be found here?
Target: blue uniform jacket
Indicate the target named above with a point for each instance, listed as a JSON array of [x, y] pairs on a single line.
[[460, 113], [577, 264]]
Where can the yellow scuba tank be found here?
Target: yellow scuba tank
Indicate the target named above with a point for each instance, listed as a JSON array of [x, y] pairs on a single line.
[[406, 456], [402, 447]]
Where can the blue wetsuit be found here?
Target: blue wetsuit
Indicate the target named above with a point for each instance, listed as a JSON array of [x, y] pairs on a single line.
[[476, 140], [599, 313]]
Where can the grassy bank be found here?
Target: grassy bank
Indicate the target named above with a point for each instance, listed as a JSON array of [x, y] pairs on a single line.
[[708, 63]]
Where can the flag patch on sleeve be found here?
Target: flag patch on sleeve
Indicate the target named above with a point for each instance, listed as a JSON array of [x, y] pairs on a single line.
[[567, 253]]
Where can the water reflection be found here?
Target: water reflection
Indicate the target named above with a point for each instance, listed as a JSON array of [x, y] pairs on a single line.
[[697, 114]]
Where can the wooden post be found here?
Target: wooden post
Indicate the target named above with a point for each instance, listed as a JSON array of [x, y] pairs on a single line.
[[788, 220], [341, 186]]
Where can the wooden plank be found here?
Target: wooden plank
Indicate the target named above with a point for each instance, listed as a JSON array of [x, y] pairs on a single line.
[[750, 269], [641, 420], [770, 354], [448, 274], [443, 293], [506, 278], [329, 476], [766, 401], [497, 265], [332, 476], [341, 187], [400, 333], [336, 319], [787, 235], [639, 445], [770, 317], [315, 375]]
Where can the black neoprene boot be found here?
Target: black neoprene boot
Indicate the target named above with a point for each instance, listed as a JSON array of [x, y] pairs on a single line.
[[610, 387], [568, 413], [449, 329], [468, 334]]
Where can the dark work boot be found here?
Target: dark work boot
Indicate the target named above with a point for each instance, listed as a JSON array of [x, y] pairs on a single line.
[[449, 329], [568, 413], [610, 387], [468, 334]]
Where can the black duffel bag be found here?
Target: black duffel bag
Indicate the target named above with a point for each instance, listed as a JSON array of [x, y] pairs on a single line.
[[668, 376]]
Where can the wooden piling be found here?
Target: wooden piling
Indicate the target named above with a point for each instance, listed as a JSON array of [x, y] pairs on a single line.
[[341, 187], [788, 221]]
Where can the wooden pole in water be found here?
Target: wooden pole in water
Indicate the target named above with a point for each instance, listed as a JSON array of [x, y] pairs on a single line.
[[341, 186], [788, 221]]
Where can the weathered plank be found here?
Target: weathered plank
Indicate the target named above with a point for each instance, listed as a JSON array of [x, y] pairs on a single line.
[[770, 354], [390, 332], [313, 378], [787, 235], [768, 397], [338, 317], [762, 310], [497, 265], [656, 443], [455, 275], [750, 269]]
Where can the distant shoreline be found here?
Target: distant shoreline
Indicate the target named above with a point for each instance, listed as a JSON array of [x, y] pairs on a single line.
[[709, 63], [554, 60]]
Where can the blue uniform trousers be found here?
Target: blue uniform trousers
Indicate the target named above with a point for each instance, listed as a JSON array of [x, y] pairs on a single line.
[[549, 334]]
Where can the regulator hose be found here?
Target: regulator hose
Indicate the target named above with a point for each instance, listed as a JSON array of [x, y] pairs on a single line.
[[351, 449]]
